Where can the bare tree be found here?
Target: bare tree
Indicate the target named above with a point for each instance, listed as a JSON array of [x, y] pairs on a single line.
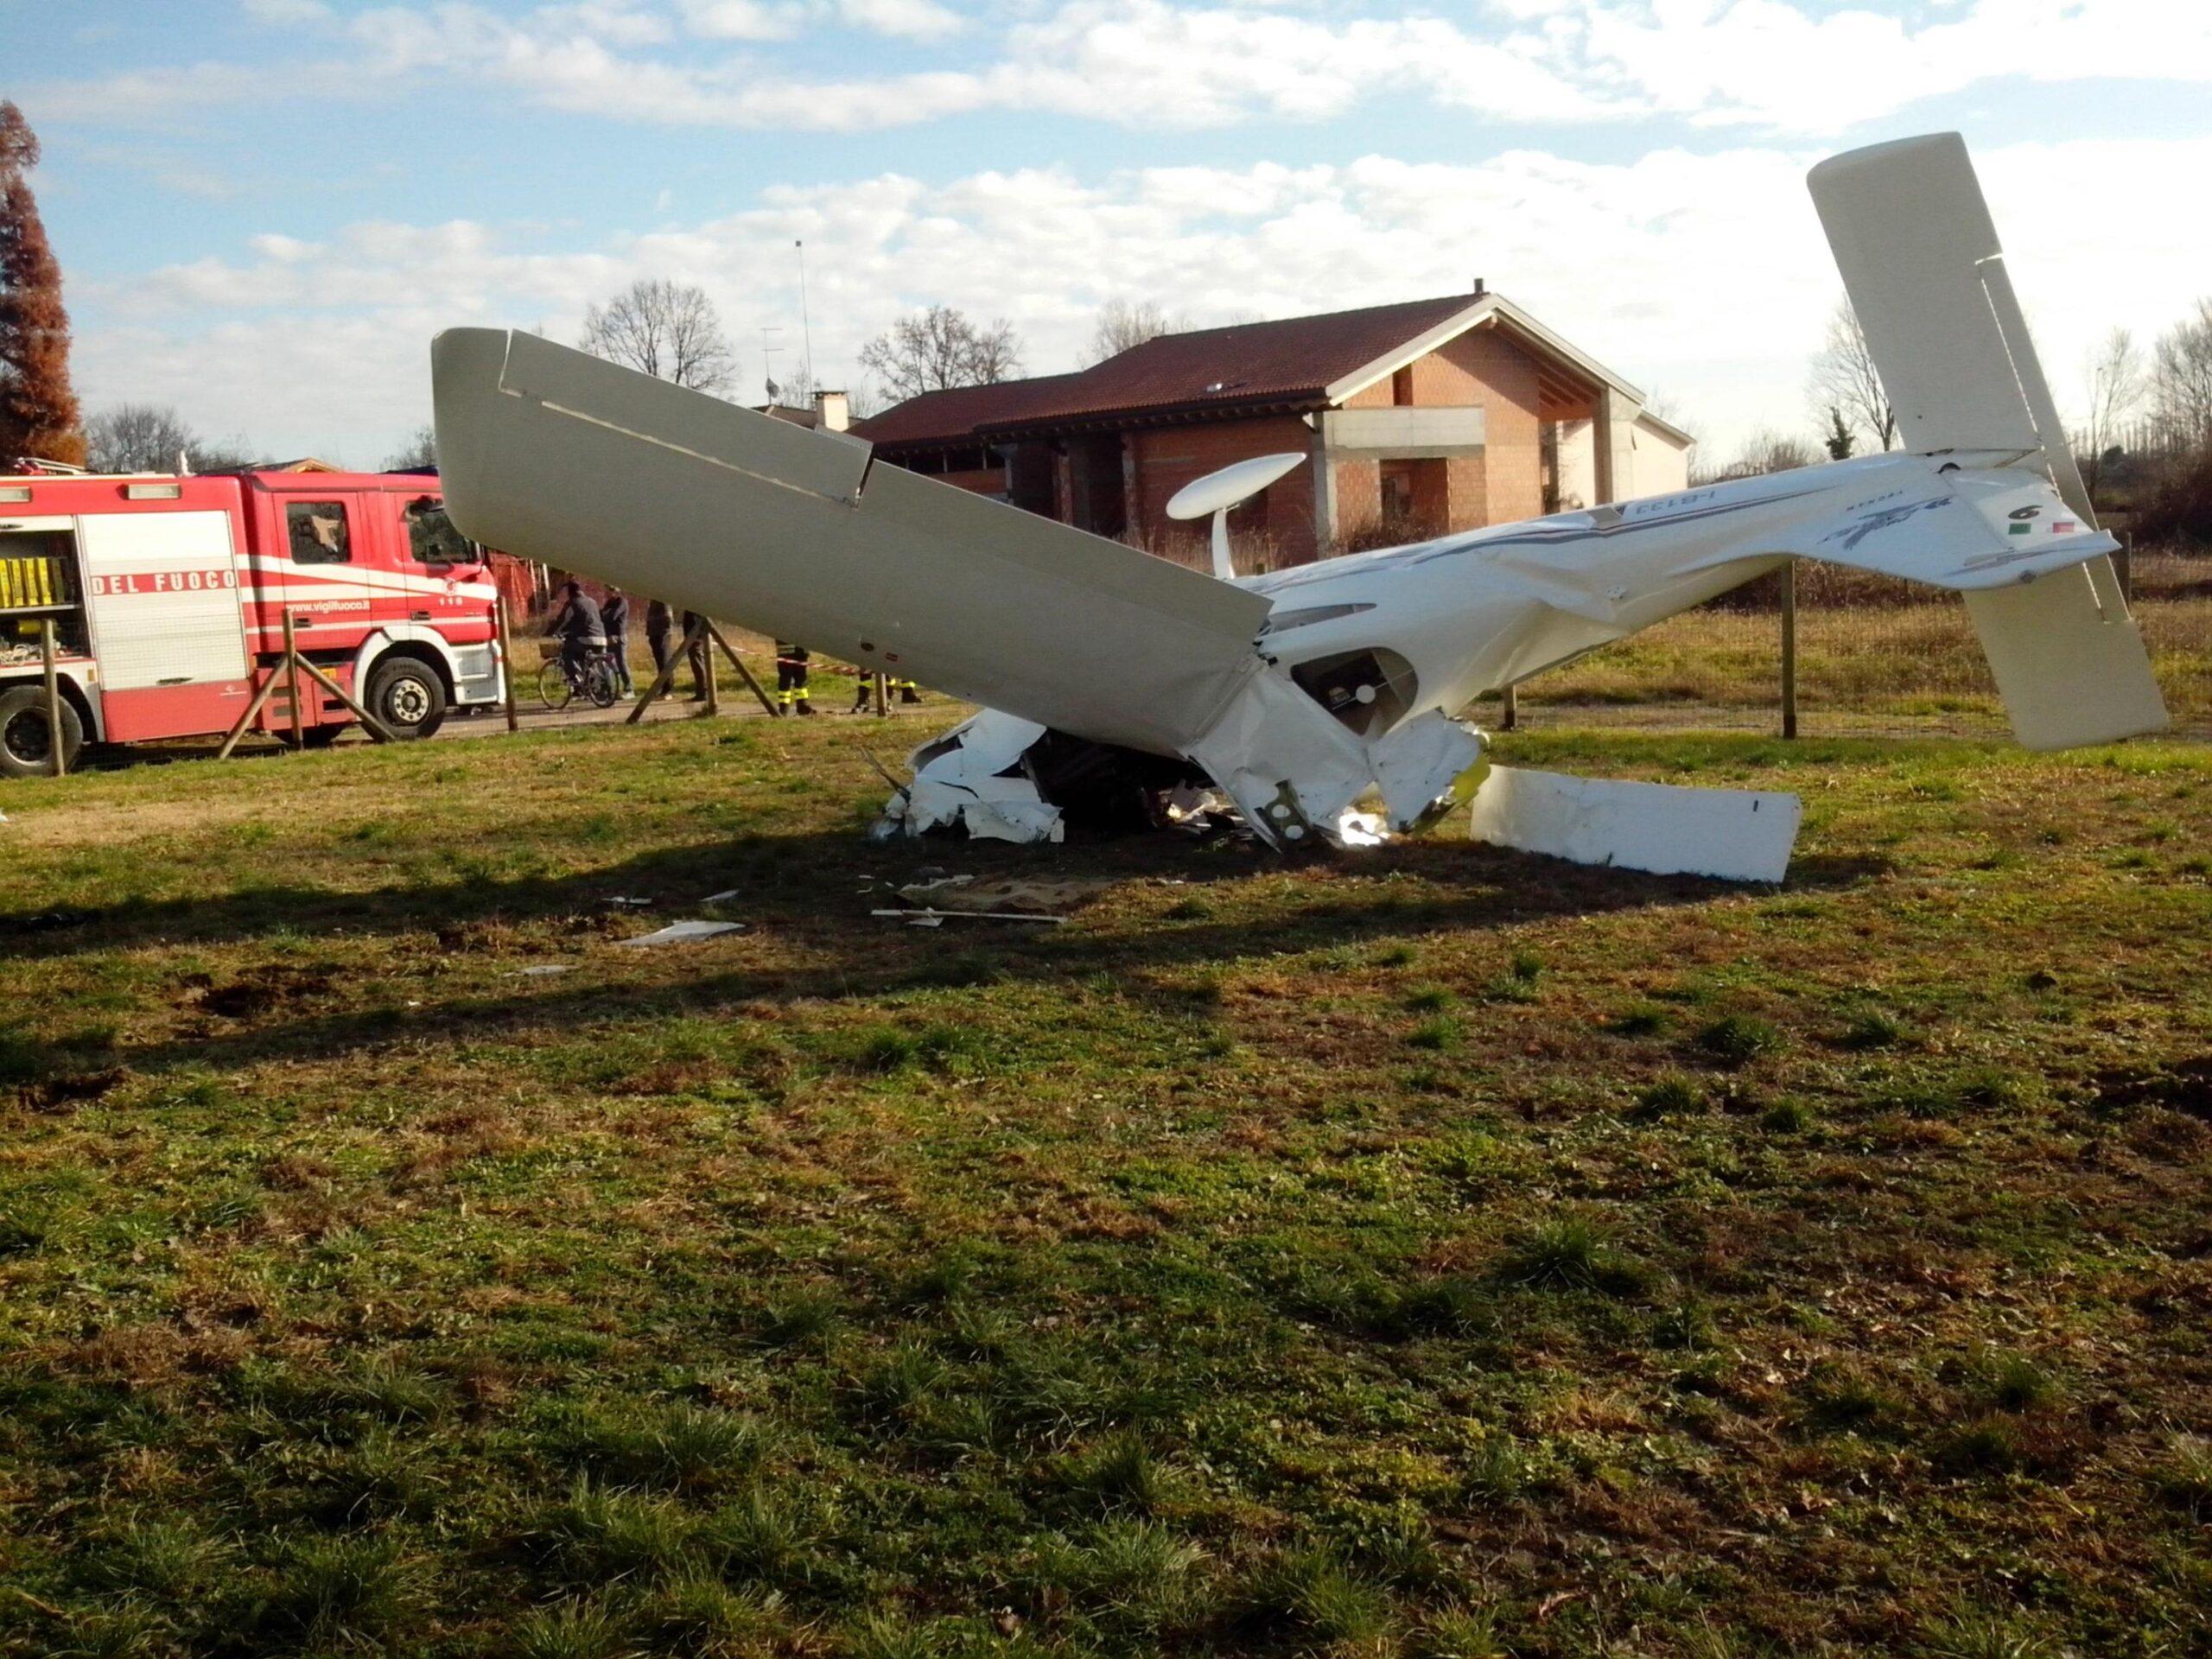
[[2181, 386], [155, 438], [1844, 378], [794, 389], [418, 455], [939, 348], [2115, 375], [138, 438], [664, 329], [1764, 451], [1126, 323]]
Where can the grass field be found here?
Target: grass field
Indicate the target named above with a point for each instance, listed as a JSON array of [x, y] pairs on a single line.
[[1432, 1252], [1897, 668]]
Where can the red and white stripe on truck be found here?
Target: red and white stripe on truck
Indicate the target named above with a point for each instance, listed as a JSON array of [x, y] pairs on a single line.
[[168, 596]]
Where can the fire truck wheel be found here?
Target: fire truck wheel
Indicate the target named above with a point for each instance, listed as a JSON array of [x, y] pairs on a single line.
[[26, 738], [408, 696]]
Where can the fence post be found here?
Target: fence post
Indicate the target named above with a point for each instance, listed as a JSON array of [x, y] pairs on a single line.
[[882, 697], [292, 681], [707, 656], [1508, 718], [1790, 649], [2121, 564], [507, 661], [56, 741]]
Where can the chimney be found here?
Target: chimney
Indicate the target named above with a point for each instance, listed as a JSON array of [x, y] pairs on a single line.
[[1481, 288], [835, 413]]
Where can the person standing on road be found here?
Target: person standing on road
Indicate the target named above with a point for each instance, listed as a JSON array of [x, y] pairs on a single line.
[[660, 623], [578, 627], [695, 631], [615, 618], [790, 678]]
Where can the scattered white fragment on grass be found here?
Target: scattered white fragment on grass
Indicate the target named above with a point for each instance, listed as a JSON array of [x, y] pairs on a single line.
[[685, 933], [544, 970], [622, 902], [938, 916], [721, 898]]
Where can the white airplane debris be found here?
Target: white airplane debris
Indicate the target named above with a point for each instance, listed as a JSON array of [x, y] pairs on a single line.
[[1739, 835], [929, 917], [1119, 688], [685, 933]]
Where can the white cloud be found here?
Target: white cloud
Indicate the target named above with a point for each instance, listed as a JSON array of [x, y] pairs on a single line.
[[740, 20], [1788, 66], [287, 13], [917, 20], [1704, 276], [1777, 65]]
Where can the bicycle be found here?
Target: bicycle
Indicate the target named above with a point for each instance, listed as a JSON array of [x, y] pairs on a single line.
[[596, 681]]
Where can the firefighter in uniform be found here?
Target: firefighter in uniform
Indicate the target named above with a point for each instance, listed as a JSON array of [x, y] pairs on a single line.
[[790, 678], [905, 690]]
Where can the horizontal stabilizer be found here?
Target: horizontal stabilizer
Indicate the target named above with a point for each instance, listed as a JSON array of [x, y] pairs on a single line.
[[2069, 660], [1962, 529], [1738, 834]]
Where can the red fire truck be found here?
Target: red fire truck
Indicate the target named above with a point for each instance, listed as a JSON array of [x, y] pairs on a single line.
[[168, 596]]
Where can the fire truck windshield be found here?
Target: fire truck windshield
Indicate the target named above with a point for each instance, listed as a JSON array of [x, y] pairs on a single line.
[[431, 535]]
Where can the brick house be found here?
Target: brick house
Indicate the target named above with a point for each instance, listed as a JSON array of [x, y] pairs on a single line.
[[1420, 419]]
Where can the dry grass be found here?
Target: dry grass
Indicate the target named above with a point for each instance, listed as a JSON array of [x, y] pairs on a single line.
[[1815, 1270]]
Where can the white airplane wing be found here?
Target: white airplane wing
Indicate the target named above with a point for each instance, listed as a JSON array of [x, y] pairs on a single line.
[[552, 454], [1920, 259]]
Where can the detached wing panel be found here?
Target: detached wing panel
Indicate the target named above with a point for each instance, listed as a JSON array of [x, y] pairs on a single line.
[[551, 454]]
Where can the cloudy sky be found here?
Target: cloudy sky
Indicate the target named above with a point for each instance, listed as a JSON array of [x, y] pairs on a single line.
[[265, 208]]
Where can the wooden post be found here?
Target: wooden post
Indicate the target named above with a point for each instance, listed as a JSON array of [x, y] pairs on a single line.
[[56, 740], [1790, 649], [658, 689], [507, 661], [706, 654], [375, 728], [882, 696], [2122, 563], [767, 704], [292, 681], [260, 698], [1510, 718]]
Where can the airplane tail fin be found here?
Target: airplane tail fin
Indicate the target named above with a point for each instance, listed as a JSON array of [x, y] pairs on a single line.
[[1920, 259]]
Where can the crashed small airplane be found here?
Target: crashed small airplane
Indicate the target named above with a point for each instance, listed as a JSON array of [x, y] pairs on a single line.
[[1116, 685]]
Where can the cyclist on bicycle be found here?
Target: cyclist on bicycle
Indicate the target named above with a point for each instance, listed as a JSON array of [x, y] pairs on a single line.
[[581, 630]]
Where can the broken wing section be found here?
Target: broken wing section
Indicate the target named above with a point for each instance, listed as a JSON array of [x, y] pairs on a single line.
[[1738, 834], [552, 454]]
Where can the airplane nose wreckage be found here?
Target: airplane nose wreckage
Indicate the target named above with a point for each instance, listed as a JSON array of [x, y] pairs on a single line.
[[1119, 688]]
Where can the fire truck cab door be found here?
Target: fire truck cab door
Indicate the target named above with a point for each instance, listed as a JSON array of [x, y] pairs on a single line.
[[168, 631]]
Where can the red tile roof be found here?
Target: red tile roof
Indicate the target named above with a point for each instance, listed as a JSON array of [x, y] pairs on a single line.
[[1292, 361], [952, 416]]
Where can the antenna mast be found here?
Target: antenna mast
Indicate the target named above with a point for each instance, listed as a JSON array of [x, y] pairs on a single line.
[[805, 329]]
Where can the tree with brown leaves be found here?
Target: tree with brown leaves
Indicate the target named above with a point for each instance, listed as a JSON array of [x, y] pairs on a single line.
[[38, 410]]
